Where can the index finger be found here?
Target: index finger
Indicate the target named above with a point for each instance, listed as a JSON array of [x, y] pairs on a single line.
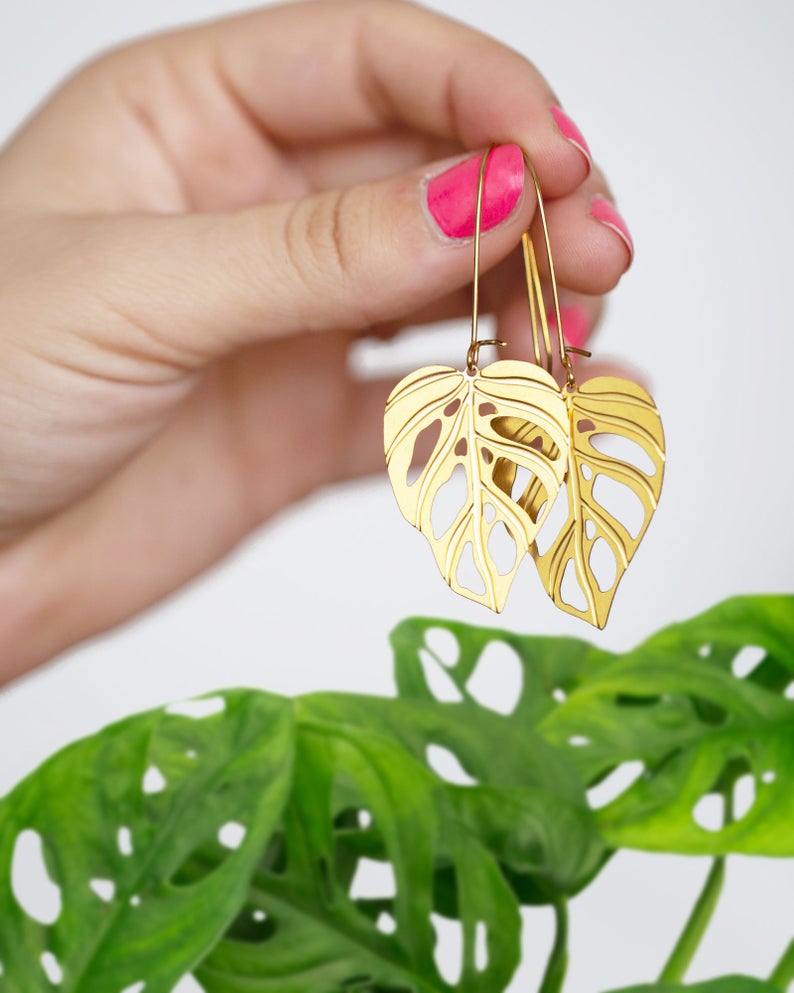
[[320, 70]]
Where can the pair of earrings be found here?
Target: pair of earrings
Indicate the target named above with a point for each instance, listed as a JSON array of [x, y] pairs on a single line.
[[518, 438]]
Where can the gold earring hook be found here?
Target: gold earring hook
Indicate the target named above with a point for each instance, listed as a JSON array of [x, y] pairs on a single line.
[[537, 310]]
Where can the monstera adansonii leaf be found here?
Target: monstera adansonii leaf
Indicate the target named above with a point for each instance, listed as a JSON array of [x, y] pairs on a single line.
[[475, 425]]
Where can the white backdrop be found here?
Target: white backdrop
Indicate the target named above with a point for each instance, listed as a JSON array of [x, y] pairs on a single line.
[[688, 107]]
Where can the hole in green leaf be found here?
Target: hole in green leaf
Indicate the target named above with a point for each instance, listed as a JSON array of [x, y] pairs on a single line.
[[439, 682], [373, 880], [614, 784], [578, 741], [447, 766], [448, 951], [747, 661], [33, 889], [135, 900], [232, 835], [709, 812], [743, 796], [788, 693], [444, 645], [253, 927], [153, 780], [480, 947], [559, 695], [768, 777], [124, 841], [385, 923], [188, 984], [138, 987], [197, 709], [704, 651], [424, 446], [497, 680], [105, 889], [52, 968]]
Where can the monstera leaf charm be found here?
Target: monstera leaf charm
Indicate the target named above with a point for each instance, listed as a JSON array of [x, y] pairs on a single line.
[[490, 437], [616, 465]]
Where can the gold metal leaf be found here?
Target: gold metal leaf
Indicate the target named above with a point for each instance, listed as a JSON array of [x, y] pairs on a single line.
[[597, 409], [502, 423]]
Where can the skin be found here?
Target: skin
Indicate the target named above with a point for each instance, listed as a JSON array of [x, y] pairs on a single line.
[[195, 229]]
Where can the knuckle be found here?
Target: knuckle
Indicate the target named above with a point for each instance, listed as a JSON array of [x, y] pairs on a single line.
[[322, 238]]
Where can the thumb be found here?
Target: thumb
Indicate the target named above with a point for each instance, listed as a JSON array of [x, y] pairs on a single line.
[[342, 259]]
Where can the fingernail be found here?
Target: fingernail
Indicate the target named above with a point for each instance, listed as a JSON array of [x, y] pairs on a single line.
[[602, 210], [575, 324], [451, 197], [570, 131]]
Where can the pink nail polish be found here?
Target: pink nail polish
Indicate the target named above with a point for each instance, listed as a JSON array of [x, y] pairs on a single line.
[[570, 131], [452, 196], [575, 324], [602, 210]]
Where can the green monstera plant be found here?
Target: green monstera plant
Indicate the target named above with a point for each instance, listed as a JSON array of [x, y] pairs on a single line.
[[222, 838]]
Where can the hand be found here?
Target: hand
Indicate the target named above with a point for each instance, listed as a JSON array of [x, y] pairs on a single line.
[[195, 228]]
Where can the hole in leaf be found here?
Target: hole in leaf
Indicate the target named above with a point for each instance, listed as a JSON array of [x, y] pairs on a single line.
[[578, 741], [502, 548], [621, 502], [191, 753], [480, 947], [743, 795], [448, 952], [135, 900], [603, 564], [709, 812], [461, 448], [449, 501], [747, 660], [497, 679], [253, 927], [153, 780], [124, 841], [198, 709], [570, 590], [585, 425], [559, 694], [105, 889], [438, 680], [489, 513], [525, 433], [52, 968], [468, 575], [364, 819], [452, 407], [385, 923], [373, 880], [521, 481], [614, 784], [788, 693], [31, 885], [615, 446], [424, 446], [138, 987], [188, 984], [232, 835], [487, 456], [557, 516], [446, 764], [589, 529], [768, 777], [704, 651], [444, 645], [586, 471], [486, 409]]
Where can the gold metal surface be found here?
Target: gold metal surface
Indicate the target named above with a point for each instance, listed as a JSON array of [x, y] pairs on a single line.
[[515, 436]]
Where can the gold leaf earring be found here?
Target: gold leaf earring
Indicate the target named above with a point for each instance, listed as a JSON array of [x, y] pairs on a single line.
[[505, 439]]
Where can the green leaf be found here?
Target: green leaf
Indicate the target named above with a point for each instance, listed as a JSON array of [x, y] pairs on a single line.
[[304, 929], [88, 806], [728, 984]]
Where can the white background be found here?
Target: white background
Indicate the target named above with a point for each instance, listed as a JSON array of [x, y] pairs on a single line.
[[688, 107]]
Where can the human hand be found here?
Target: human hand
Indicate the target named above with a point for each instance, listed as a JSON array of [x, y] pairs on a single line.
[[195, 229]]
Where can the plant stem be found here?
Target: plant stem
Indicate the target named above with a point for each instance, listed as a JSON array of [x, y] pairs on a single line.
[[557, 965], [783, 973], [681, 956]]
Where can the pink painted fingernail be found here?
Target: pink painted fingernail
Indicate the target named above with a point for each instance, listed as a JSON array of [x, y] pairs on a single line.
[[570, 131], [575, 324], [451, 197], [602, 210]]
